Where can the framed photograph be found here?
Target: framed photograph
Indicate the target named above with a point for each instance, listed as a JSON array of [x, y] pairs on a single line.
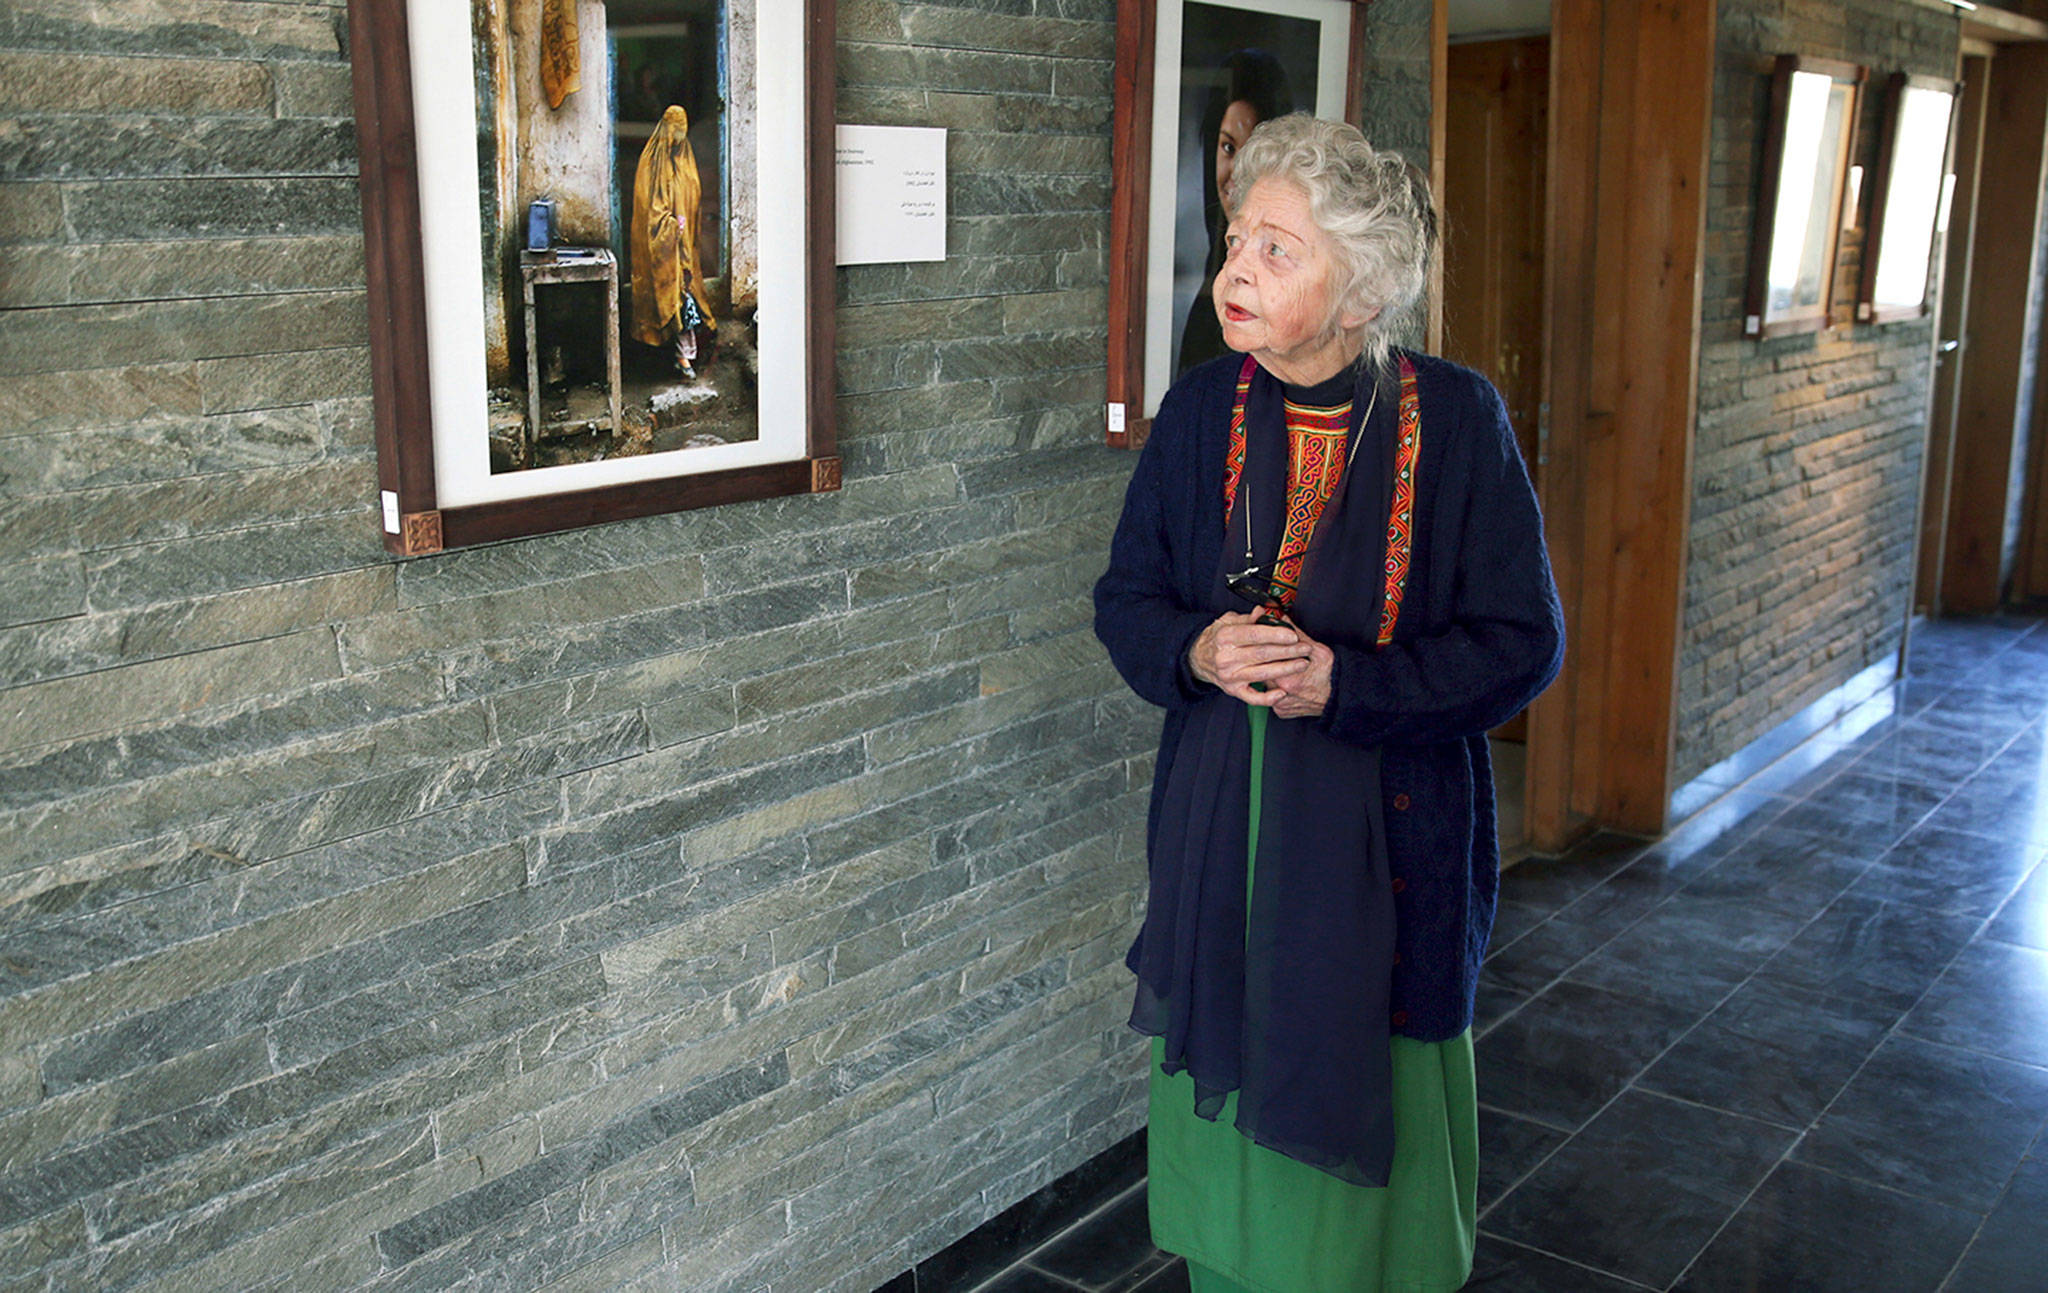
[[1808, 141], [1912, 193], [598, 240], [1193, 78]]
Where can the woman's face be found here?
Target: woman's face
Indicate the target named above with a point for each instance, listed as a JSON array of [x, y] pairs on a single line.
[[1275, 294], [1239, 119]]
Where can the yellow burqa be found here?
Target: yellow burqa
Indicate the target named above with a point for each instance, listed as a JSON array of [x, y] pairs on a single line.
[[664, 234], [561, 54]]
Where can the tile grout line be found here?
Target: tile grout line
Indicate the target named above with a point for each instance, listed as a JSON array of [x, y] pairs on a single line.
[[1799, 1134], [1024, 1258]]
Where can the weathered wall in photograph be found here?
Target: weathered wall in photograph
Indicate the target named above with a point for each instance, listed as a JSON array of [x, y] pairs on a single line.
[[729, 900], [1806, 464]]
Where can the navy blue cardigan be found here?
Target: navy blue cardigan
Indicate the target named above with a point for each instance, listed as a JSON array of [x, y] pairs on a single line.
[[1479, 636]]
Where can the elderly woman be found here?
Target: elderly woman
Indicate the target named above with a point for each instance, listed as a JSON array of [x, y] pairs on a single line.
[[1331, 573]]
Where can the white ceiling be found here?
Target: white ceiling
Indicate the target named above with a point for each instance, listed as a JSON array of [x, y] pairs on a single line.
[[1473, 19]]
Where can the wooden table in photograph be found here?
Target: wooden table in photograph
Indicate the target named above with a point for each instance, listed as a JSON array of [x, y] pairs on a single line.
[[569, 265]]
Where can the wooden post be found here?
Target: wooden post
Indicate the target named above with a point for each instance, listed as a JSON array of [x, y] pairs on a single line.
[[1986, 421], [1632, 91]]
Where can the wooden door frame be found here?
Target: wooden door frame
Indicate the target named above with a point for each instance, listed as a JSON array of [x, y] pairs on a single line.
[[1952, 296], [2012, 164], [1630, 124]]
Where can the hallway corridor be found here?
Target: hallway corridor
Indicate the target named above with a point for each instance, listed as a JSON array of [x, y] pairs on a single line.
[[1800, 1043]]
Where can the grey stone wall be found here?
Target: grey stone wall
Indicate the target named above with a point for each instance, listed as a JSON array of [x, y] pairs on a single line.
[[1807, 457], [726, 901]]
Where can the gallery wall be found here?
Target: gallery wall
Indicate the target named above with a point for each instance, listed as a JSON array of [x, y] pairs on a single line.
[[727, 900], [1806, 463]]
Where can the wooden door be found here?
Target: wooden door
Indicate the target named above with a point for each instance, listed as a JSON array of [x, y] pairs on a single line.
[[1495, 142], [1496, 134], [1994, 379]]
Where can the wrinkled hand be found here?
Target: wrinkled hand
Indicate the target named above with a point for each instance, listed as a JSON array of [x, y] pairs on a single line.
[[1305, 694], [1236, 651]]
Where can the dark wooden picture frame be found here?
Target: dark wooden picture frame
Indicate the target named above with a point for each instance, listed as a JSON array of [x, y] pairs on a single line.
[[1908, 197], [1137, 35], [1829, 174], [396, 271]]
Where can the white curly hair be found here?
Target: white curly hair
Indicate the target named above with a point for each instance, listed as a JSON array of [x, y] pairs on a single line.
[[1374, 206]]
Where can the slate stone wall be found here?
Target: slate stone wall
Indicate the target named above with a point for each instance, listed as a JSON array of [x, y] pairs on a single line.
[[1806, 464], [724, 901]]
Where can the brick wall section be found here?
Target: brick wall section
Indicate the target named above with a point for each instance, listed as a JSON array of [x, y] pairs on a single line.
[[1807, 457], [724, 901]]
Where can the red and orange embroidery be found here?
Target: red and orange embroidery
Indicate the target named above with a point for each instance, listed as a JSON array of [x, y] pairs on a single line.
[[1316, 461]]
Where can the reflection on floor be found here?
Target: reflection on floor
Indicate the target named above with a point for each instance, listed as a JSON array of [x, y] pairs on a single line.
[[1800, 1043]]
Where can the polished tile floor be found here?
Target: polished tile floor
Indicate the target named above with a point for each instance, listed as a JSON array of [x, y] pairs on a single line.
[[1799, 1044]]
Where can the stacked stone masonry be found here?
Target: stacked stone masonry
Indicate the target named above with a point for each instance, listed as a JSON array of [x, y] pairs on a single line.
[[1807, 459], [732, 900]]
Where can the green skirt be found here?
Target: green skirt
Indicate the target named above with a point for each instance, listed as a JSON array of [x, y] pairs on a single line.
[[1273, 1225], [1248, 1218]]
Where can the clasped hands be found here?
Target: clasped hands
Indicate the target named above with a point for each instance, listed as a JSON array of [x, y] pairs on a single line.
[[1236, 651]]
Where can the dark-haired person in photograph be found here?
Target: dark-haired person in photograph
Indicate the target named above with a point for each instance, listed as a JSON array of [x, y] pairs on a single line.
[[1255, 89]]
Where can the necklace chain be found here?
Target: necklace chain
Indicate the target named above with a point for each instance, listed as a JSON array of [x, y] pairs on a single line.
[[1251, 562]]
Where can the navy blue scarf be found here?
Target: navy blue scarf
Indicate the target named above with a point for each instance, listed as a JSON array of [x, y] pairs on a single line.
[[1286, 1003]]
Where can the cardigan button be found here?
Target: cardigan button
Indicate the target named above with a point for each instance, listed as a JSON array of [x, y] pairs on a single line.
[[1400, 1018], [1397, 958], [1398, 885], [1401, 802]]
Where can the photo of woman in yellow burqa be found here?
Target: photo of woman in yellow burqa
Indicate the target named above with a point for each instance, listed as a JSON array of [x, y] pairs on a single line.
[[668, 292]]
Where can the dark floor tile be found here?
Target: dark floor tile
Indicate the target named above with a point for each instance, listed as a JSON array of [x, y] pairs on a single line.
[[1791, 871], [1002, 1239], [1992, 696], [1942, 1123], [1111, 1245], [1546, 884], [1533, 961], [1511, 920], [1492, 1003], [1720, 825], [1872, 951], [1772, 1052], [2000, 808], [2011, 1250], [1933, 755], [1634, 891], [1140, 1275], [1499, 1266], [1024, 1279], [2024, 918], [1170, 1278], [1944, 870], [1690, 952], [1642, 1188], [1820, 1233], [2017, 765], [1860, 799], [1567, 1052], [1994, 998], [1508, 1148]]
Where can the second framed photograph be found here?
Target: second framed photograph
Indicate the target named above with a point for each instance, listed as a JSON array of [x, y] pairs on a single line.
[[1194, 78]]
